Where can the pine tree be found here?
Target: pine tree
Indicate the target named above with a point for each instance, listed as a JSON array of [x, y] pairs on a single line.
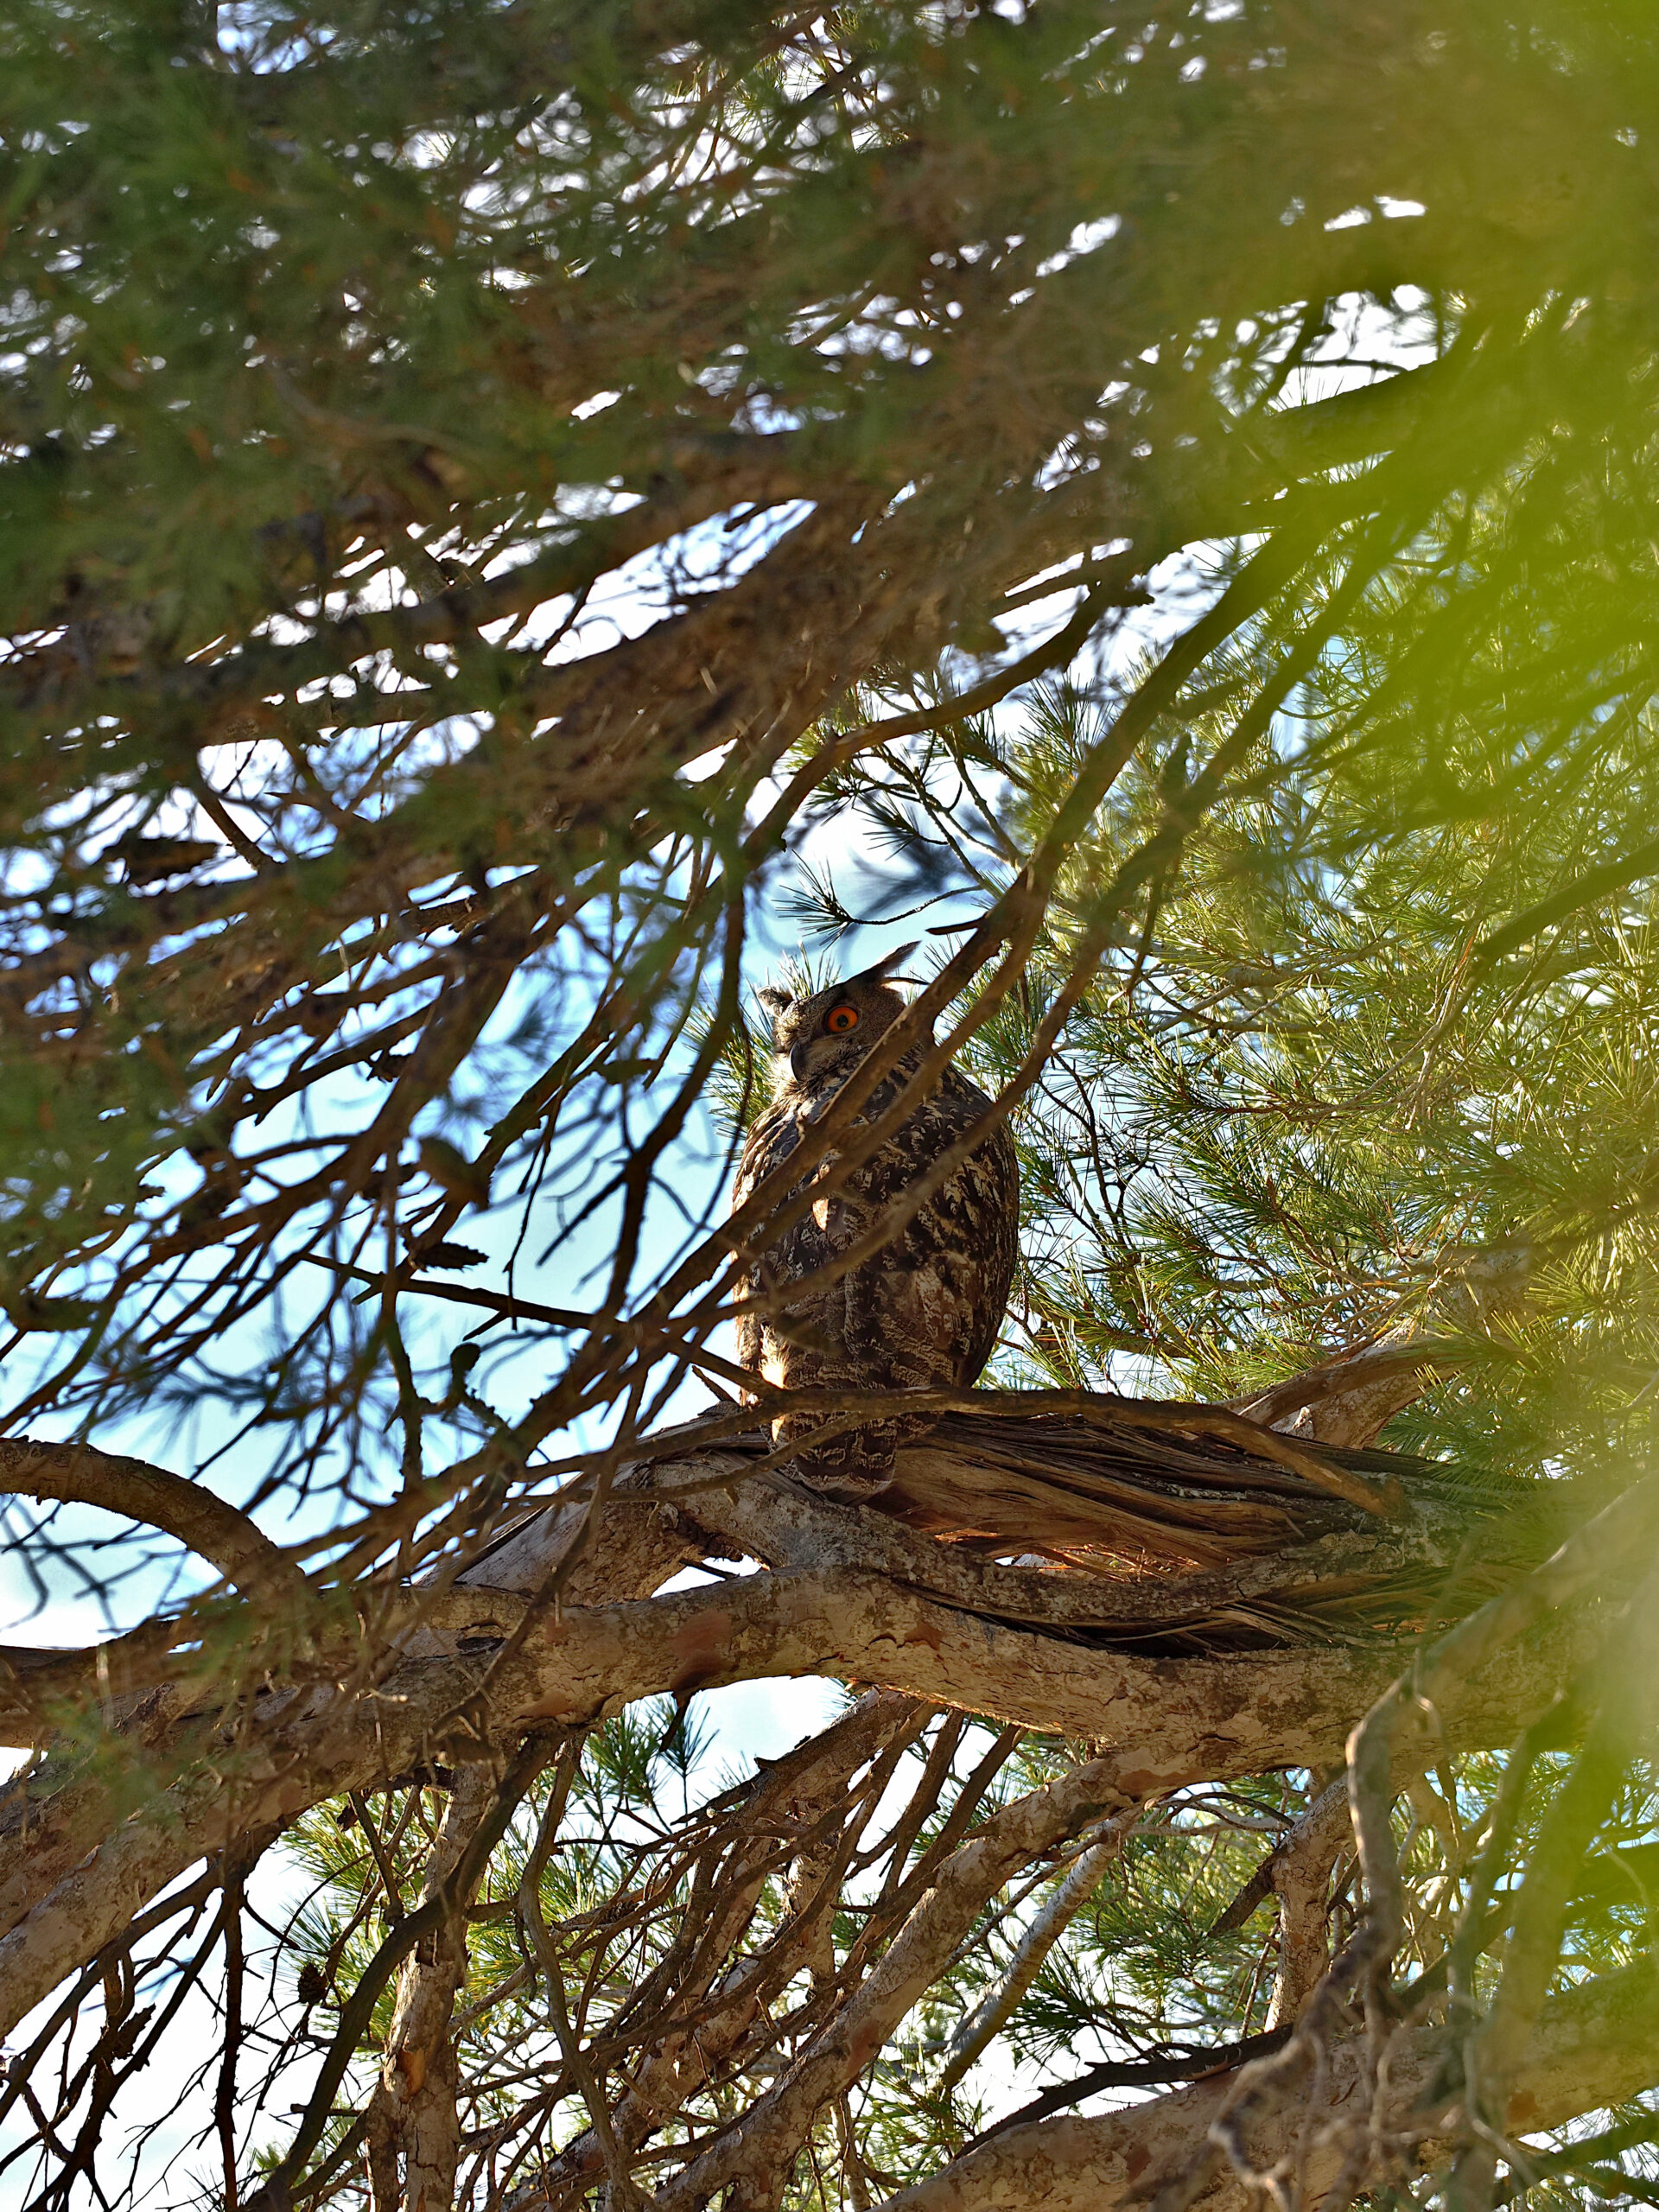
[[513, 511]]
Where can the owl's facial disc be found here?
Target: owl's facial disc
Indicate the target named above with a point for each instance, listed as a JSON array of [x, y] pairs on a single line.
[[832, 1041], [828, 1035]]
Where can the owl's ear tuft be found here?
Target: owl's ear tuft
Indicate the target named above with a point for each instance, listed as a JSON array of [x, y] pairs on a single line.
[[884, 967], [775, 1000], [889, 961]]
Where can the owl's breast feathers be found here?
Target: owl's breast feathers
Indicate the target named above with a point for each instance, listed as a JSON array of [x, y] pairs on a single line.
[[924, 1308]]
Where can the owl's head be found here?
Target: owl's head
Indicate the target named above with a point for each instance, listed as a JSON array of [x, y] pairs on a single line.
[[830, 1034]]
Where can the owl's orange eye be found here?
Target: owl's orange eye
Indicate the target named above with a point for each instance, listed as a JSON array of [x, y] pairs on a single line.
[[840, 1020]]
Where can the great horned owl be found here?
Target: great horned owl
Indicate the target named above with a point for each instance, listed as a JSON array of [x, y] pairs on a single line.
[[925, 1309]]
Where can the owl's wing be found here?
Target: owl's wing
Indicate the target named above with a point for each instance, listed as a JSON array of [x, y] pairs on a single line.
[[771, 1140], [977, 1215]]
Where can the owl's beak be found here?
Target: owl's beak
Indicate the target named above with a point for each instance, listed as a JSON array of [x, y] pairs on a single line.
[[798, 1058]]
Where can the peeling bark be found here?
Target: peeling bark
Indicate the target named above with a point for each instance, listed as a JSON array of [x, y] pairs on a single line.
[[413, 2108], [1170, 1720]]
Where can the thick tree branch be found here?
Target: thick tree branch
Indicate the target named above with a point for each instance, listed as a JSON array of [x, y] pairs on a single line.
[[243, 1553], [1595, 2046], [412, 2111], [1175, 1721]]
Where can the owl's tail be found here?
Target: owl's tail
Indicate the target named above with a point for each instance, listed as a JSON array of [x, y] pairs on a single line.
[[853, 1466]]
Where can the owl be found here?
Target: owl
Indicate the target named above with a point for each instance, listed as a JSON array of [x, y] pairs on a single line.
[[922, 1311]]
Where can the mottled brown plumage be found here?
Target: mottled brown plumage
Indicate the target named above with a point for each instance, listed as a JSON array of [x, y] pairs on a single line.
[[926, 1308]]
